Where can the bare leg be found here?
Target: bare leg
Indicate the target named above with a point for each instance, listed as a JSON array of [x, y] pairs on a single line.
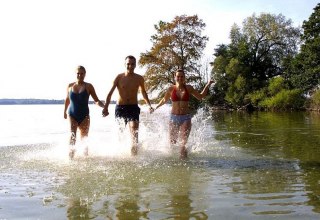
[[185, 129], [73, 137], [134, 129], [173, 132], [84, 131]]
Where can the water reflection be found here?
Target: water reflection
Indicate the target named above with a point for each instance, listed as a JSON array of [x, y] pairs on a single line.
[[131, 190], [294, 135], [204, 187], [78, 209], [242, 166], [180, 189], [291, 136]]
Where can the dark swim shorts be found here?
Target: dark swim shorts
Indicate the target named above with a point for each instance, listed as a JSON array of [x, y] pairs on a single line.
[[127, 112]]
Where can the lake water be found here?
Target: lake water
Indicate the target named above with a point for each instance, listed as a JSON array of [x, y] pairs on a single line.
[[240, 166]]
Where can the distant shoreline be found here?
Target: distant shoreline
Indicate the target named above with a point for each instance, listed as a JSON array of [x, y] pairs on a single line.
[[35, 101], [29, 101]]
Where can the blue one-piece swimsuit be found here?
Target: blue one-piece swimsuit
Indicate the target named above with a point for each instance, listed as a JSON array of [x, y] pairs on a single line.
[[79, 108]]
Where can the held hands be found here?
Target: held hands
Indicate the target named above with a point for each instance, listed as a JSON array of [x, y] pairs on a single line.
[[105, 112], [151, 110]]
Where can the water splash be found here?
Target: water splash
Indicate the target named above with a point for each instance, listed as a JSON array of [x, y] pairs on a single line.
[[112, 140]]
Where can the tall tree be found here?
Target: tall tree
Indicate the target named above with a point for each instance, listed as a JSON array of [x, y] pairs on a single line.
[[269, 39], [178, 44], [256, 53], [305, 73]]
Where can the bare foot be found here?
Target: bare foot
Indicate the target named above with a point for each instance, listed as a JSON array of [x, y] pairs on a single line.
[[134, 151], [72, 153], [86, 152], [183, 153]]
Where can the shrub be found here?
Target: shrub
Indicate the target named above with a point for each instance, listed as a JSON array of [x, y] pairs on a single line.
[[285, 99], [276, 85], [315, 100], [257, 96]]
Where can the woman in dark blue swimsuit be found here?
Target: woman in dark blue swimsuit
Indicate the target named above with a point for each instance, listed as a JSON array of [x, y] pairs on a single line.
[[77, 107]]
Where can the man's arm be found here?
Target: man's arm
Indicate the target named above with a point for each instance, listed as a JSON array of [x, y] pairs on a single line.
[[105, 111], [144, 94]]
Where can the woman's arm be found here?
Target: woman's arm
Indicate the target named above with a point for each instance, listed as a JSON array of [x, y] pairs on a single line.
[[204, 92], [93, 94], [66, 103], [165, 98]]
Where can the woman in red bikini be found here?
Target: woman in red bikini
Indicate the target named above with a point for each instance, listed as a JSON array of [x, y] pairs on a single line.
[[180, 118]]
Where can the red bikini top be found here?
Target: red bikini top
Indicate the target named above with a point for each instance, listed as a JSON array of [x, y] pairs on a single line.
[[175, 97]]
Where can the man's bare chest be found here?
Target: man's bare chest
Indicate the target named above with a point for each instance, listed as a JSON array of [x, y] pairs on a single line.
[[128, 83]]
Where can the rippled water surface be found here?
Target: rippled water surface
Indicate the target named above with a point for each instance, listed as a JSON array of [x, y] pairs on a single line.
[[240, 166]]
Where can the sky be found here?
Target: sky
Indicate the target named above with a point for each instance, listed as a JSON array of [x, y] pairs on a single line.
[[43, 41]]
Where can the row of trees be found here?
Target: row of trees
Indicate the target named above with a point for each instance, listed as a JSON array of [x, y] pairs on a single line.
[[268, 64]]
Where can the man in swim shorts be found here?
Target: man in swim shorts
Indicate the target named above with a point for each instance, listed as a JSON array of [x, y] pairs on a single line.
[[127, 109], [127, 113]]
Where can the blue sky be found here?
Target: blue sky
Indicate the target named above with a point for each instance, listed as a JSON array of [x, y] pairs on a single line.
[[42, 41]]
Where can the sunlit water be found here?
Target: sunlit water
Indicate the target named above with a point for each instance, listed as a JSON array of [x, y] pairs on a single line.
[[240, 166]]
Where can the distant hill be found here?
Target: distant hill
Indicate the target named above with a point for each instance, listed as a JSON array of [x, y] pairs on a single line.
[[35, 101]]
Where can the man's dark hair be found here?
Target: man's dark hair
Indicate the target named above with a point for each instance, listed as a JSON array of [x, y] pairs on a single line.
[[180, 71], [81, 68], [131, 58]]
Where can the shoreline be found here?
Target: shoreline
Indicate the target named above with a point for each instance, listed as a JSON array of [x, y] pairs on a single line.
[[37, 102]]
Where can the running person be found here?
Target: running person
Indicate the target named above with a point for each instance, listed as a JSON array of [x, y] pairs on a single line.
[[76, 105], [180, 118], [127, 109]]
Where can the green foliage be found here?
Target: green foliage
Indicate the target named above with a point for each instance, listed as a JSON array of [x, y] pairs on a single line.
[[285, 99], [276, 84], [219, 72], [311, 27], [259, 51], [236, 92], [257, 96], [315, 100], [232, 69], [264, 42], [177, 44], [237, 83], [277, 96], [305, 68]]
